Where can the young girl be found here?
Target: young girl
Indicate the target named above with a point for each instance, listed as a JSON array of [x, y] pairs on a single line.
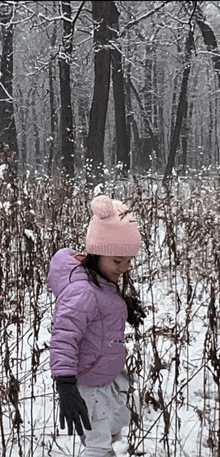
[[87, 354]]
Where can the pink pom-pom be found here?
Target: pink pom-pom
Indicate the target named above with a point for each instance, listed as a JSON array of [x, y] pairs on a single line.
[[102, 206], [120, 207]]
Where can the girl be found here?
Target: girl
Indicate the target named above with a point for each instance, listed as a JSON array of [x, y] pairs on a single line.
[[87, 354]]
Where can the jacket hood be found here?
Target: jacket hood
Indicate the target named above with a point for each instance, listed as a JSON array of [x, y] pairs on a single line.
[[65, 269]]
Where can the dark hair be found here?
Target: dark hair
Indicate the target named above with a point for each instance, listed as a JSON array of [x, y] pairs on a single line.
[[90, 264], [128, 293]]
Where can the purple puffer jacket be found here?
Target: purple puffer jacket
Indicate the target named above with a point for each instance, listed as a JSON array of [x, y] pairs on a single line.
[[88, 324]]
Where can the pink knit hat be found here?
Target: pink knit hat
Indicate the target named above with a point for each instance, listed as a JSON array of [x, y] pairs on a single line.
[[109, 233]]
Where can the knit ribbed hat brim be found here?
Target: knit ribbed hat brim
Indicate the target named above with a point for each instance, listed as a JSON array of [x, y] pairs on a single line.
[[109, 232]]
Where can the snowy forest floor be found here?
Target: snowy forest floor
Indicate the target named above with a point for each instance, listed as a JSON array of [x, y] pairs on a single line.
[[173, 360]]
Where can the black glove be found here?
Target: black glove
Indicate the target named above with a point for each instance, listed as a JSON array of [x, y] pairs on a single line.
[[72, 405], [135, 312]]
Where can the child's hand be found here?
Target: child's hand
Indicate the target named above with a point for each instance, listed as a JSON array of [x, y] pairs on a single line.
[[135, 312], [72, 406]]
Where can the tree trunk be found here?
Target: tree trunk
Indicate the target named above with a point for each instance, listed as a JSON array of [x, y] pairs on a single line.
[[148, 127], [82, 131], [96, 135], [53, 115], [8, 133], [191, 138], [216, 130], [120, 116], [52, 119], [105, 15], [184, 138], [135, 151], [128, 103], [174, 104], [23, 130], [101, 13], [209, 40], [212, 47], [147, 144], [161, 128], [181, 108], [36, 139], [119, 98], [67, 131], [210, 129]]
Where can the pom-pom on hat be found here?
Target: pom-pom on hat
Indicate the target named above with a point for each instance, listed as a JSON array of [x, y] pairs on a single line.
[[109, 233]]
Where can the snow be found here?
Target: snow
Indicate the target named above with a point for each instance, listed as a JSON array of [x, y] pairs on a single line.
[[39, 413], [5, 206], [3, 169], [192, 402], [30, 235], [98, 190]]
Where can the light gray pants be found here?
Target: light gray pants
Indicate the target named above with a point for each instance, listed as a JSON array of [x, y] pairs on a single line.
[[108, 414]]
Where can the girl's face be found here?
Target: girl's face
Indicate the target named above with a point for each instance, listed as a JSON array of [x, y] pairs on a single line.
[[113, 266]]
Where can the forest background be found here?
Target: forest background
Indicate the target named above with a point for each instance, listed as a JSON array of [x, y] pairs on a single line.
[[130, 89], [108, 82]]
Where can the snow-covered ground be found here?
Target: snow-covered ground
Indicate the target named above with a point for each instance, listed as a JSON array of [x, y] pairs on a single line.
[[177, 333], [190, 422]]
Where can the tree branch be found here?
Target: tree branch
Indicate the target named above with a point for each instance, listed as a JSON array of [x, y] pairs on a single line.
[[145, 16]]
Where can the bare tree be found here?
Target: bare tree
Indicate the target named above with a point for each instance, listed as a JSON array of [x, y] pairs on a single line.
[[53, 115], [122, 146], [101, 13], [209, 40], [67, 137], [182, 104], [105, 16], [67, 128], [7, 122], [147, 125]]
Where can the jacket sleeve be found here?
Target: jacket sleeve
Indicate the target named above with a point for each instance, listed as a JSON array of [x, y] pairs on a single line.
[[72, 314]]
